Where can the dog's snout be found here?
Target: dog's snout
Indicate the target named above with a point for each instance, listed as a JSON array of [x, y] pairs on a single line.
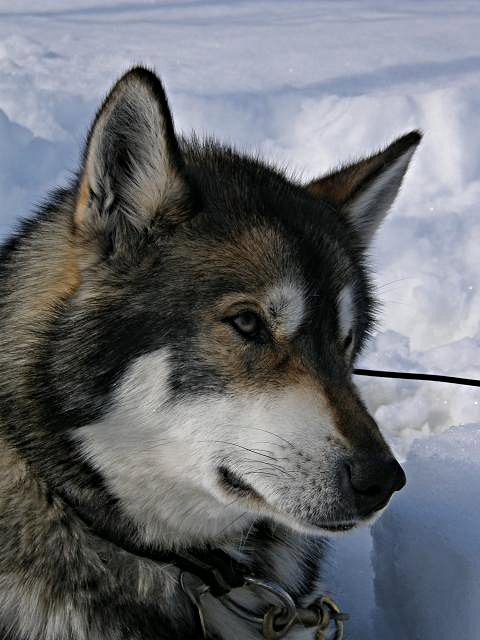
[[373, 483]]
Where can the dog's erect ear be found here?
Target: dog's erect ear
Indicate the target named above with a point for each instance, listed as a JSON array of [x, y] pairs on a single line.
[[364, 191], [133, 176]]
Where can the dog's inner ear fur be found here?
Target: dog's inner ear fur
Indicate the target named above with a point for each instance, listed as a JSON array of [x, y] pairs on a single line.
[[364, 191], [133, 176]]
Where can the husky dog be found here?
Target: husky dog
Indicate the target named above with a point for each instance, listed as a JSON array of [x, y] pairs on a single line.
[[177, 335]]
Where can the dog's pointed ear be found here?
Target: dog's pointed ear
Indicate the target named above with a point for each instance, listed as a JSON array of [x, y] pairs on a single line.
[[133, 175], [364, 191]]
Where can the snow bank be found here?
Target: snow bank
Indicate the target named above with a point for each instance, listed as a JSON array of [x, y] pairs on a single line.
[[349, 578], [426, 546], [29, 167], [407, 410]]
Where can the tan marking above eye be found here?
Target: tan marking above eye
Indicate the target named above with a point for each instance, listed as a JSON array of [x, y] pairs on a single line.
[[286, 306]]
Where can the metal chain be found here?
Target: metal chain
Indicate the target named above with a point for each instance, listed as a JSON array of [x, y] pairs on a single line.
[[330, 611], [279, 619], [320, 614]]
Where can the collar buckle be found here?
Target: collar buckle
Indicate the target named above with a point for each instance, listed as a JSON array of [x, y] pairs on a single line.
[[280, 616]]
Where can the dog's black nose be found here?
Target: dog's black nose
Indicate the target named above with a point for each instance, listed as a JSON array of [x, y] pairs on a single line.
[[373, 483]]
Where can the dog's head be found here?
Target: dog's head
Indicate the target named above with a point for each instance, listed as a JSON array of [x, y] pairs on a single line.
[[210, 343]]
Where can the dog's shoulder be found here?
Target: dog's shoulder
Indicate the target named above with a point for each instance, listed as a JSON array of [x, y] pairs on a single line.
[[58, 579]]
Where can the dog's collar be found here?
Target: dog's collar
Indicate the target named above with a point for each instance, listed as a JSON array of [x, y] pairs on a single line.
[[212, 571], [279, 618], [218, 571]]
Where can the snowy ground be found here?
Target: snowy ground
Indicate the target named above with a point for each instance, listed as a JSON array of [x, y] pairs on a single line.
[[306, 83]]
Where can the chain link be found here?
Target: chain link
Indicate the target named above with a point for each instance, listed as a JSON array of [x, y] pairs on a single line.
[[279, 619], [324, 611]]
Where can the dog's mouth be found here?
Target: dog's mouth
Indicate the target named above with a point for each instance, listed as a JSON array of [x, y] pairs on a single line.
[[339, 528], [233, 484]]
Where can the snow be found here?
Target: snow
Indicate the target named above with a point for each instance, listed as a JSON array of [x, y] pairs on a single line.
[[433, 567], [309, 84]]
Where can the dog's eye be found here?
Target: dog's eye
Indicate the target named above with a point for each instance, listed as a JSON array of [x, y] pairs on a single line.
[[348, 340], [249, 325]]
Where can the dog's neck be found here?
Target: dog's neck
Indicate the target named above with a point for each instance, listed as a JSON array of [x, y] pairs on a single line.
[[104, 515]]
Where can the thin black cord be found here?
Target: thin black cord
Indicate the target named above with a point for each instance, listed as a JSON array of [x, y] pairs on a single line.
[[416, 376]]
